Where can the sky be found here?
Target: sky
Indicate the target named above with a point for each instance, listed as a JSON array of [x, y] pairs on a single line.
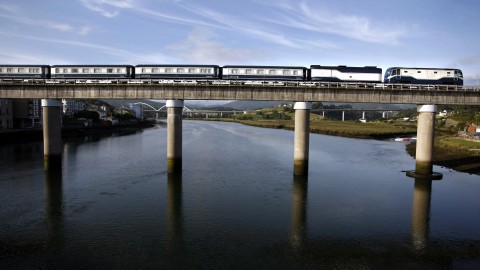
[[408, 33]]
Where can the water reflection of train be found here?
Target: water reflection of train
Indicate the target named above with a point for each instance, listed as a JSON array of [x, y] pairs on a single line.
[[238, 73]]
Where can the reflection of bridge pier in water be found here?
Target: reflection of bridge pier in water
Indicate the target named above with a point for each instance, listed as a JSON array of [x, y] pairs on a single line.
[[422, 193], [54, 208], [298, 230], [174, 219]]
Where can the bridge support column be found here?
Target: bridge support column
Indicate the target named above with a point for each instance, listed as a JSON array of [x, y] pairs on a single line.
[[174, 136], [52, 134], [425, 137], [302, 135]]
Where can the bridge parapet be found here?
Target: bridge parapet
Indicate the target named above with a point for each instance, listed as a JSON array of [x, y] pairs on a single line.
[[351, 93]]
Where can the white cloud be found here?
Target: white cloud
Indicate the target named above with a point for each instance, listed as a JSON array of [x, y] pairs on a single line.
[[323, 20], [200, 47], [14, 14], [108, 8]]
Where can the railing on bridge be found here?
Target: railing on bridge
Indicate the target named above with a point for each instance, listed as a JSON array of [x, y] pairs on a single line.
[[226, 83]]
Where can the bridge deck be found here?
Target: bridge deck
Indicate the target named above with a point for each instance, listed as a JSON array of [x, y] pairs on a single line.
[[280, 91]]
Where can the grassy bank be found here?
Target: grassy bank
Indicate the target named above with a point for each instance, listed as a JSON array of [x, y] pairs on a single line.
[[455, 153]]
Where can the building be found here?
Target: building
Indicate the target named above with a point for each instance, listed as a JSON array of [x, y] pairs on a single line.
[[71, 106], [6, 114], [27, 113]]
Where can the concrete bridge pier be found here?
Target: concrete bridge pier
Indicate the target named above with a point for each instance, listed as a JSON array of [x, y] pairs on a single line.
[[174, 135], [425, 139], [302, 135], [52, 134]]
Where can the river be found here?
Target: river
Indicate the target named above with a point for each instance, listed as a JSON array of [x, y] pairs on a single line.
[[236, 205]]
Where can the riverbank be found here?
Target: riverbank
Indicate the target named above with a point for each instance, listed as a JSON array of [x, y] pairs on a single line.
[[449, 151], [36, 134]]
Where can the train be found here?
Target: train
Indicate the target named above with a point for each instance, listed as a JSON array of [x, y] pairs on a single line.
[[238, 73]]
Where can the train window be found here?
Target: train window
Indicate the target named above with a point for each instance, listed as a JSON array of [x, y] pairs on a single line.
[[21, 70], [109, 70], [435, 72], [1, 70], [10, 70], [180, 70], [394, 72], [74, 70], [260, 72], [448, 72], [405, 71], [418, 71], [85, 70], [33, 70], [286, 72], [248, 71], [65, 70], [168, 70], [234, 71], [191, 70], [272, 72], [154, 70], [96, 70], [295, 72]]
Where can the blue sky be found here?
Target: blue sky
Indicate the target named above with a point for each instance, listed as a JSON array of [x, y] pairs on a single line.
[[413, 33]]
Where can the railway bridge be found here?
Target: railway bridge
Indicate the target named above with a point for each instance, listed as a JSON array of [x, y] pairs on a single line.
[[426, 97]]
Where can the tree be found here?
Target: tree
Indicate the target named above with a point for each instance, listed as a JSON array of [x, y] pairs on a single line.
[[94, 115]]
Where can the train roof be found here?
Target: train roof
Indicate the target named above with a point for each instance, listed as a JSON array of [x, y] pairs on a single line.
[[170, 65], [341, 66], [423, 68], [245, 66], [55, 66], [10, 65]]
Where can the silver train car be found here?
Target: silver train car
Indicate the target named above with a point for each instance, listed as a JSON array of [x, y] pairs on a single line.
[[13, 72], [280, 73], [97, 72], [177, 72]]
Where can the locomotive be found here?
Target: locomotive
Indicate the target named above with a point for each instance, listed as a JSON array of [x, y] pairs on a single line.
[[242, 73]]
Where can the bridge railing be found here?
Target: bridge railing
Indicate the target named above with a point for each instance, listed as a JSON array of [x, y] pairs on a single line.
[[247, 83]]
